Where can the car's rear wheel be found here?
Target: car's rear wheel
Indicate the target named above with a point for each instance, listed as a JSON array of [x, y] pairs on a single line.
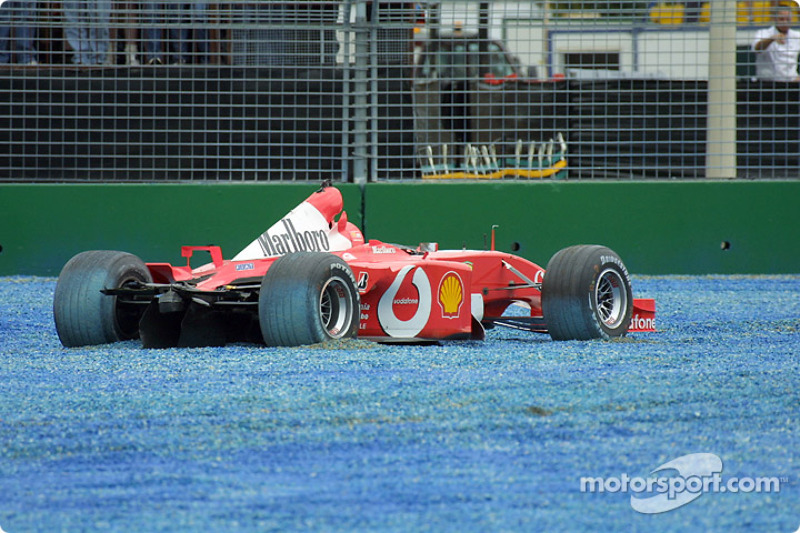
[[307, 298], [586, 294], [83, 314]]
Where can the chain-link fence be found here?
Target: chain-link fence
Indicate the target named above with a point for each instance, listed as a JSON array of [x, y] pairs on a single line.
[[364, 91]]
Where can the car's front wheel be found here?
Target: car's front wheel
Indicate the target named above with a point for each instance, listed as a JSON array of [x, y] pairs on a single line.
[[586, 294], [307, 298]]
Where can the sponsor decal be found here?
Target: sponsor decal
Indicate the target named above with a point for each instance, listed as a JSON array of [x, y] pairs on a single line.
[[364, 316], [419, 304], [363, 280], [640, 323], [303, 229], [383, 250], [290, 240], [451, 295], [356, 237], [244, 266]]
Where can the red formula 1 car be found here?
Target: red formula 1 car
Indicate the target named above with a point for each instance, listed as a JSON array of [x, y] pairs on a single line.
[[311, 277]]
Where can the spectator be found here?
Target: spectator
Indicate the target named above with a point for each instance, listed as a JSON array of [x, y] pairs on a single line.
[[184, 40], [21, 16], [88, 31], [777, 48], [130, 32]]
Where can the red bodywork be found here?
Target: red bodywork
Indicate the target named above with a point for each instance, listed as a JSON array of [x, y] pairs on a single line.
[[406, 294]]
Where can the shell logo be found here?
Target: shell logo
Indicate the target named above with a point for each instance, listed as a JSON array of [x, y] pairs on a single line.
[[451, 295]]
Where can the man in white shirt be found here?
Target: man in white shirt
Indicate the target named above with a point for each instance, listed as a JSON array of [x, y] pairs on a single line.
[[777, 49]]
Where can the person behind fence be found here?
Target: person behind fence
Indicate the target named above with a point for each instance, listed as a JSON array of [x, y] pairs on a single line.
[[17, 32], [187, 32], [130, 32], [777, 48], [88, 31]]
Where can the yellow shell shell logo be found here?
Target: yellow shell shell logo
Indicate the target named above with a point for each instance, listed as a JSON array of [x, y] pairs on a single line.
[[451, 295]]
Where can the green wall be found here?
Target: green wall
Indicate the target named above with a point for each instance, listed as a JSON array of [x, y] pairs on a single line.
[[42, 226], [656, 227], [674, 227]]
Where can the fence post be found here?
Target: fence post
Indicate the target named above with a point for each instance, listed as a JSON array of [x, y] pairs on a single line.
[[344, 50], [721, 122], [373, 90], [360, 101]]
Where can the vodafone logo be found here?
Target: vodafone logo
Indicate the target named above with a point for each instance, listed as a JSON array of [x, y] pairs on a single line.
[[404, 308], [640, 323]]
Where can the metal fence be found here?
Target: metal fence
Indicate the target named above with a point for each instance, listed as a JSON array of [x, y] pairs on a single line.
[[365, 91]]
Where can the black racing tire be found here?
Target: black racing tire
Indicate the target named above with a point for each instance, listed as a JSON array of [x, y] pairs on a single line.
[[586, 294], [307, 298], [84, 315]]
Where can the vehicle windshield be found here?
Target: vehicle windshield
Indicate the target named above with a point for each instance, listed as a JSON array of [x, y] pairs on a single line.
[[461, 61]]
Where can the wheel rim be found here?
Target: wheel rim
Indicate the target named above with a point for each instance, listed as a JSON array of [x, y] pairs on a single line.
[[610, 298], [336, 307]]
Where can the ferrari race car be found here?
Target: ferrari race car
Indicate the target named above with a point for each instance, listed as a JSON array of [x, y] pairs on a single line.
[[311, 277]]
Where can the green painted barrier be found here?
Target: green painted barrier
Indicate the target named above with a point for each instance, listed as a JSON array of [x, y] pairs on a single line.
[[42, 226], [697, 227]]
